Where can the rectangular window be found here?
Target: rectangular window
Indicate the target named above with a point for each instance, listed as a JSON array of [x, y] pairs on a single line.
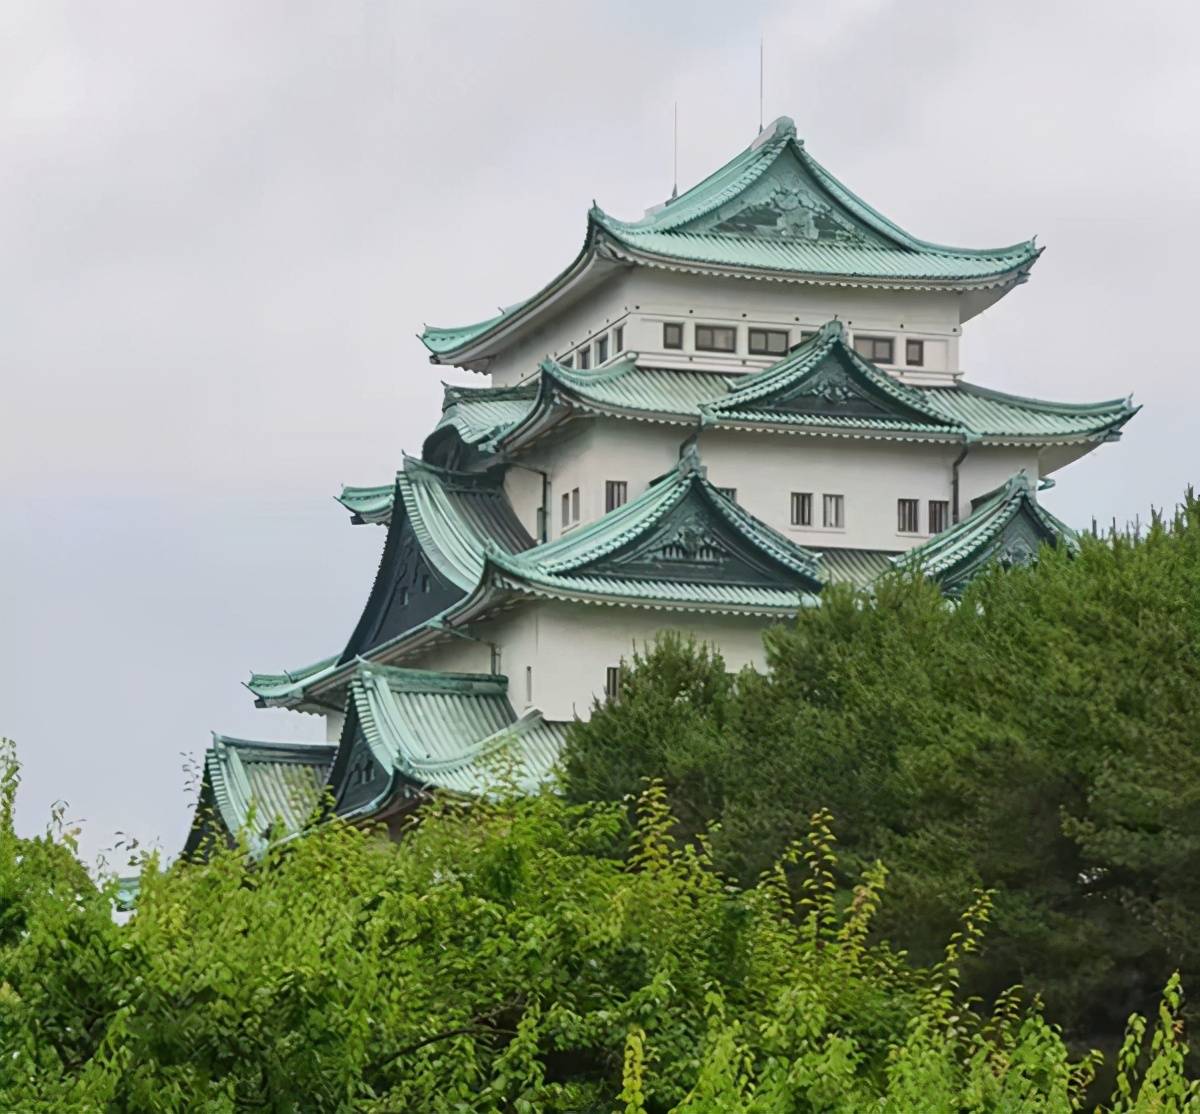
[[612, 684], [801, 508], [730, 493], [616, 492], [908, 516], [567, 361], [833, 509], [566, 509], [716, 338], [529, 684], [768, 342], [496, 661], [914, 353], [585, 358], [672, 335], [574, 504], [879, 350], [619, 339], [939, 515], [601, 349]]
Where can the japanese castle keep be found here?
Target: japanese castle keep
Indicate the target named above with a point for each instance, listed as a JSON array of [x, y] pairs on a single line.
[[709, 415]]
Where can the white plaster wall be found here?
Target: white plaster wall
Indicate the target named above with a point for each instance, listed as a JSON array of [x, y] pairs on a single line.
[[765, 468], [565, 684], [333, 726], [987, 467], [641, 299]]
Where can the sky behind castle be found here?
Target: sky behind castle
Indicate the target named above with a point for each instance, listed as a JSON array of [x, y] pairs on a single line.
[[223, 223]]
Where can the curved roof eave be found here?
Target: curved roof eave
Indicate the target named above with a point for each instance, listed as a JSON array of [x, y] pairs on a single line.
[[459, 346]]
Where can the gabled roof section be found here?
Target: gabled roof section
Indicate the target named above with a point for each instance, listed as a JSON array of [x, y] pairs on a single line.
[[1007, 525], [413, 730], [822, 387], [680, 543], [771, 212], [774, 208], [826, 381], [254, 786]]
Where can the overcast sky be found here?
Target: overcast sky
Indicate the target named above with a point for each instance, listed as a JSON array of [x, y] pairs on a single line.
[[223, 222]]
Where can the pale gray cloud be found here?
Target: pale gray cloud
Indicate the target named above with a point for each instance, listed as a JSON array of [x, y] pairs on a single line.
[[223, 222]]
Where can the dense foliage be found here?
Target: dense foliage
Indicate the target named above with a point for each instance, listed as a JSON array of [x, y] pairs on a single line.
[[1040, 739], [520, 955]]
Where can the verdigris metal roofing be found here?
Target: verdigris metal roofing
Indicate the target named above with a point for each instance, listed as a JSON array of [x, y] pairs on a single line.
[[453, 731], [823, 386], [859, 567], [271, 783], [773, 211], [1007, 525]]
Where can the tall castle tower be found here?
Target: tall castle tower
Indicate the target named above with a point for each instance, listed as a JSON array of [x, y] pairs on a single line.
[[709, 415]]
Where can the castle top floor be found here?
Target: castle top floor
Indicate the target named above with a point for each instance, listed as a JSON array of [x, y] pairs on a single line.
[[738, 270]]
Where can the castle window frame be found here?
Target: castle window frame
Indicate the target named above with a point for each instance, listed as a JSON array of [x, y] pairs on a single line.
[[585, 358], [767, 342], [673, 334], [939, 515], [879, 350], [716, 338], [616, 494], [908, 516], [802, 508], [914, 353], [833, 511], [601, 349]]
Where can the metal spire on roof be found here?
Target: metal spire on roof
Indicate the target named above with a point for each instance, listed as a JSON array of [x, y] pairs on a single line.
[[675, 157], [761, 69]]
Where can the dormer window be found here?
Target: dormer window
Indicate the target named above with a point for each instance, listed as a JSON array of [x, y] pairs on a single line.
[[879, 350], [716, 338], [768, 342], [672, 334]]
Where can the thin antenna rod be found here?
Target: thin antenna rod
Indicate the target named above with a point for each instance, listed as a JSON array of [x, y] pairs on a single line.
[[761, 67], [675, 157]]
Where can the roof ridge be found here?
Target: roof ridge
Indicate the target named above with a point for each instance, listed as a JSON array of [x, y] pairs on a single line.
[[1045, 405]]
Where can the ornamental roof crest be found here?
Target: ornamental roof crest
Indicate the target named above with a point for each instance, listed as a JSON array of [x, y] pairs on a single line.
[[785, 206]]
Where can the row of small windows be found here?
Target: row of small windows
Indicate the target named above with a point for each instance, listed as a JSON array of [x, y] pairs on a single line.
[[597, 350], [803, 508], [774, 342], [833, 510], [882, 350], [908, 516]]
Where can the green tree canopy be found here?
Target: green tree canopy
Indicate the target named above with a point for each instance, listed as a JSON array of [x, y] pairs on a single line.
[[1040, 738], [514, 955]]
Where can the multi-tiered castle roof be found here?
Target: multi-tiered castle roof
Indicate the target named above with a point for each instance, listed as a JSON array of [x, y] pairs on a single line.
[[708, 417]]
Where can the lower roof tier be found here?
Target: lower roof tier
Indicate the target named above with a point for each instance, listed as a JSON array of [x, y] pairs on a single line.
[[407, 733], [681, 545], [823, 388]]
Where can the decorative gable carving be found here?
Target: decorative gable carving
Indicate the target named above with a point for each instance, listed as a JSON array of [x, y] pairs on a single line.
[[693, 542], [785, 204]]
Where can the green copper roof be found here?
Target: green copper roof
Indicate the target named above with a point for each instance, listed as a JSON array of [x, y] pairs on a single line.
[[1006, 525], [772, 211], [681, 542], [823, 386], [859, 567], [368, 504], [457, 516], [426, 730], [480, 414], [272, 688], [268, 783]]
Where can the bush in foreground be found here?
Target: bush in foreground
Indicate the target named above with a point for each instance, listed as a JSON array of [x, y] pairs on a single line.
[[520, 955]]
